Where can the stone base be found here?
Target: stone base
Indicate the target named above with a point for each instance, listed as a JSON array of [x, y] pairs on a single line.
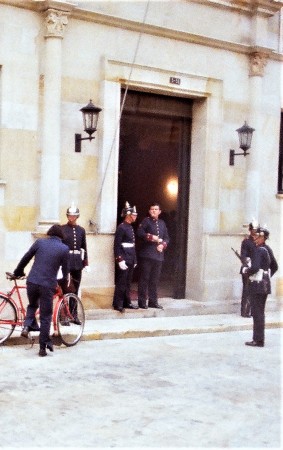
[[279, 287], [97, 298]]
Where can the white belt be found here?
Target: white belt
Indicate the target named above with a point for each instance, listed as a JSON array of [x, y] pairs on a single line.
[[76, 252], [127, 245]]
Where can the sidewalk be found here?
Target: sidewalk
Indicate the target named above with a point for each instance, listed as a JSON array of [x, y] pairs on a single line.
[[166, 326], [152, 323]]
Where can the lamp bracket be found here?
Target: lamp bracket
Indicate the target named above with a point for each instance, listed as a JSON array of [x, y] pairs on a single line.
[[233, 154], [78, 139]]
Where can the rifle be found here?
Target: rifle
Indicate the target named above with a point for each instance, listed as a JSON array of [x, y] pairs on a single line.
[[243, 260]]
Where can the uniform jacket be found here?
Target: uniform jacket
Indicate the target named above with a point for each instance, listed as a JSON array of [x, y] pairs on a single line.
[[75, 239], [247, 247], [49, 254], [146, 229], [262, 258], [125, 235]]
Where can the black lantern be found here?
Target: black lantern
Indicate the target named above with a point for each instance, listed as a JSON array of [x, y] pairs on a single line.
[[245, 140], [90, 117]]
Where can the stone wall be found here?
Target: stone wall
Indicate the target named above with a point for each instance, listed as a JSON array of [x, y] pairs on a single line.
[[55, 56]]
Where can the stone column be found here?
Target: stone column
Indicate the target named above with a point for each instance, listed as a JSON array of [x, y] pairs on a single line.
[[55, 22], [258, 61]]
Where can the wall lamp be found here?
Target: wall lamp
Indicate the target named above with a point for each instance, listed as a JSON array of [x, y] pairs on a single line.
[[245, 138], [90, 117]]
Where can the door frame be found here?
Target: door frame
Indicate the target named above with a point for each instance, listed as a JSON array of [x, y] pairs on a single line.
[[182, 218]]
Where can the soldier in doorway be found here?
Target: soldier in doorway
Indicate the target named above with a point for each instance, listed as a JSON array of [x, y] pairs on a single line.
[[246, 252], [154, 236], [125, 257]]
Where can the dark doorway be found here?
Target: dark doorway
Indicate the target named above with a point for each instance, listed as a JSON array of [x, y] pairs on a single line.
[[154, 165]]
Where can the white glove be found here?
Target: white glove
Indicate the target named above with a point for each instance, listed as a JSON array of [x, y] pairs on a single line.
[[87, 269], [249, 262], [244, 270], [123, 265], [59, 273]]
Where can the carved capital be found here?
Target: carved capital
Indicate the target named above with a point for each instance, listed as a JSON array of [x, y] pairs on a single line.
[[258, 61], [55, 23]]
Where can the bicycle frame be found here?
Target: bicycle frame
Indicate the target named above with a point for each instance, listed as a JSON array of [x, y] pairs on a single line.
[[17, 302]]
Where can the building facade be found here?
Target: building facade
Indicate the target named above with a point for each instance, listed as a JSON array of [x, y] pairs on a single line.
[[221, 59]]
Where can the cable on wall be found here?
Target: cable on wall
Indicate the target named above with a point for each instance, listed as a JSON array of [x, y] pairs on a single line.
[[91, 222]]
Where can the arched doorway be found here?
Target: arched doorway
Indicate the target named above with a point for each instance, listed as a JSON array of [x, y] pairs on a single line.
[[154, 165]]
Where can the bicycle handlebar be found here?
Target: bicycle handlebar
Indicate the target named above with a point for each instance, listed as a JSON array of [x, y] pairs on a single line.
[[10, 276]]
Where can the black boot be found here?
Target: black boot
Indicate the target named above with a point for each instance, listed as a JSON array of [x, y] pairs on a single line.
[[50, 346], [42, 352], [25, 332]]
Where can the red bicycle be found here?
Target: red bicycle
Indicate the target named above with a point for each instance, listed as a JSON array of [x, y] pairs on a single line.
[[67, 309]]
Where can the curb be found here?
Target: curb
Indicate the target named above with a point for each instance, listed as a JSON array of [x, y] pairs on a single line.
[[133, 334]]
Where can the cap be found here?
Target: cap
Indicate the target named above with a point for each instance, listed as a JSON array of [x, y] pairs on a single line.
[[262, 231], [73, 210], [128, 210]]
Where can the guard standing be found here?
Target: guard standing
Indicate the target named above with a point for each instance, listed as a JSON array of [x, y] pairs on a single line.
[[125, 257], [247, 247], [263, 266], [154, 235], [75, 238]]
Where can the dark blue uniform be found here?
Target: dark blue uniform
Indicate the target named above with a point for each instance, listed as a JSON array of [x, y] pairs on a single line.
[[263, 263], [150, 259], [247, 247], [124, 250], [49, 254], [75, 238]]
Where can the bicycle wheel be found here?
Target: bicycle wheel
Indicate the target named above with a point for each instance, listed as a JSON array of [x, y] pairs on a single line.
[[8, 318], [70, 319]]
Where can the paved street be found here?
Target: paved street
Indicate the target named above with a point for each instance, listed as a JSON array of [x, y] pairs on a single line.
[[199, 390]]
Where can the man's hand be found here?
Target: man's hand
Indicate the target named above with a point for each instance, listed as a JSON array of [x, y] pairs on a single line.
[[19, 274]]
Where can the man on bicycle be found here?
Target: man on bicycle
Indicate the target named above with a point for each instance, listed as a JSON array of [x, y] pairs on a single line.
[[49, 254]]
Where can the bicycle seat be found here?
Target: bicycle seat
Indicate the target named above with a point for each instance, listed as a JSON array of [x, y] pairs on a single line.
[[11, 276]]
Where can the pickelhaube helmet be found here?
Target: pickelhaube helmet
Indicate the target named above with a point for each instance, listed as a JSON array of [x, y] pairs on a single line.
[[73, 210], [253, 225], [128, 210], [263, 231]]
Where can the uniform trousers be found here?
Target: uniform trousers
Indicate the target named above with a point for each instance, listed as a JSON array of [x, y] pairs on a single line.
[[122, 293], [76, 276], [40, 296], [257, 307], [150, 270]]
